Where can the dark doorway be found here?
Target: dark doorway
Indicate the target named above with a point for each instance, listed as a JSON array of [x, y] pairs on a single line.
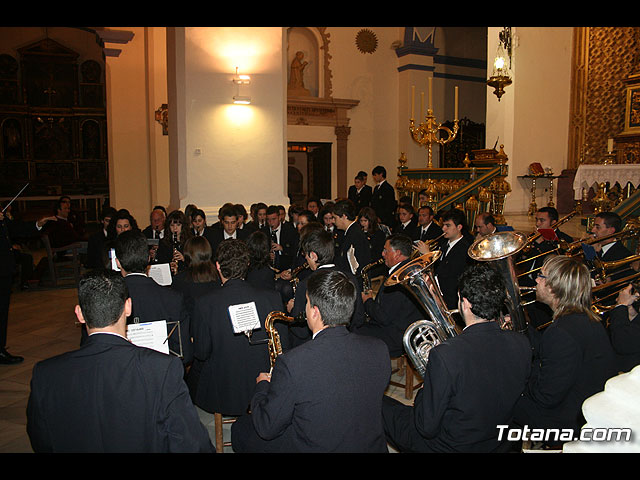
[[309, 166]]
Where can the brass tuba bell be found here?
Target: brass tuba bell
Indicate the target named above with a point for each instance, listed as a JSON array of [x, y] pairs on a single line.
[[421, 336], [499, 249]]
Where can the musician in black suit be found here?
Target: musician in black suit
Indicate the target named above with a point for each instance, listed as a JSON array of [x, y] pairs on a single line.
[[454, 259], [360, 193], [383, 197], [485, 224], [472, 380], [229, 222], [231, 361], [427, 228], [151, 301], [355, 251], [318, 248], [606, 224], [9, 229], [157, 218], [574, 358], [407, 221], [177, 229], [110, 395], [284, 240], [394, 308], [258, 213], [325, 395], [624, 329], [96, 245]]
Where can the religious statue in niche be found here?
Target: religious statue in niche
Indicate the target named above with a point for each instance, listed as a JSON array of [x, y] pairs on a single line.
[[296, 81]]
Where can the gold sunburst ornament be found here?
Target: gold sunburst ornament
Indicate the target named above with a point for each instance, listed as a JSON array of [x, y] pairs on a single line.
[[366, 41]]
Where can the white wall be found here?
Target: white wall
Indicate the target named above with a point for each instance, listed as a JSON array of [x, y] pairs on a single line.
[[231, 153], [532, 118]]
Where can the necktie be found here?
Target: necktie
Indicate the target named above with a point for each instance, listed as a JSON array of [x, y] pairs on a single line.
[[423, 236]]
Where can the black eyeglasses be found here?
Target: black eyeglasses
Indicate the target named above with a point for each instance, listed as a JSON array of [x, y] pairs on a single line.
[[541, 275]]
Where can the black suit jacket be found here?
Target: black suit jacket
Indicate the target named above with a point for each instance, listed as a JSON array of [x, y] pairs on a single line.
[[289, 240], [573, 361], [216, 236], [96, 251], [111, 396], [411, 230], [449, 268], [230, 364], [151, 302], [383, 201], [356, 238], [625, 338], [467, 392], [360, 199], [434, 231], [390, 313], [324, 396]]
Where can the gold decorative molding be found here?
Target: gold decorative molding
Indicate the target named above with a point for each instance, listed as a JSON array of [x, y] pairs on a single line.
[[603, 57], [319, 111]]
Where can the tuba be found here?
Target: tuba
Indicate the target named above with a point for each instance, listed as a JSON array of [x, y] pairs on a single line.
[[273, 343], [421, 336], [499, 248]]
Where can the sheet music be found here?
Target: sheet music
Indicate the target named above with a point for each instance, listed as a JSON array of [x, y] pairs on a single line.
[[161, 273], [244, 317], [150, 335], [351, 258]]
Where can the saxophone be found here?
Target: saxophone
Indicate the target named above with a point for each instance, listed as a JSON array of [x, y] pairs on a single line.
[[273, 343], [366, 281]]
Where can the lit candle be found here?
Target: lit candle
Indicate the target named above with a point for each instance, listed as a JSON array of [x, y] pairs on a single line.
[[413, 99], [431, 93], [610, 145], [455, 116]]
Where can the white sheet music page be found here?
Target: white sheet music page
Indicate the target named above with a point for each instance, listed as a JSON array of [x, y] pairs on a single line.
[[161, 273], [150, 335], [244, 317], [351, 257]]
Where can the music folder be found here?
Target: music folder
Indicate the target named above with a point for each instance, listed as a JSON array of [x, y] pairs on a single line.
[[156, 335]]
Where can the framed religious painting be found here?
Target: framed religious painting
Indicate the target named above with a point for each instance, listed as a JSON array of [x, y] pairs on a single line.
[[632, 109]]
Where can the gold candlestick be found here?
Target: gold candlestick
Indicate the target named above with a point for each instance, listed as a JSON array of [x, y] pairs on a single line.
[[427, 134]]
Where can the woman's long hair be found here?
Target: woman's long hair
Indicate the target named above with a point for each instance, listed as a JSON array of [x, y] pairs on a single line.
[[259, 248], [177, 216], [198, 257], [570, 283], [370, 214]]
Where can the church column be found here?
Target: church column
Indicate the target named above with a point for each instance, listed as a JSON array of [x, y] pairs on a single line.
[[342, 135]]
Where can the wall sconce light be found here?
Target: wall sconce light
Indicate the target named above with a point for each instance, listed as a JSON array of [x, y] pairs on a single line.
[[501, 77], [241, 80]]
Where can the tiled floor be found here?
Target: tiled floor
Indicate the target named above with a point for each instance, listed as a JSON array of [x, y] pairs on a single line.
[[42, 324]]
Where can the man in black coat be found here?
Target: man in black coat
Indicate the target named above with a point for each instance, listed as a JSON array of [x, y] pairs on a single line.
[[383, 197], [606, 224], [472, 380], [229, 223], [151, 301], [454, 259], [9, 229], [231, 359], [318, 248], [325, 395], [355, 251], [284, 240], [360, 193], [427, 228], [110, 395], [394, 308], [574, 357], [624, 329]]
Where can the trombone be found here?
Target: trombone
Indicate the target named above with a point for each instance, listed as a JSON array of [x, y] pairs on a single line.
[[534, 237], [597, 306]]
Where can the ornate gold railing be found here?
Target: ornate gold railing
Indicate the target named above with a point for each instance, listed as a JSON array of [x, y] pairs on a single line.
[[481, 186]]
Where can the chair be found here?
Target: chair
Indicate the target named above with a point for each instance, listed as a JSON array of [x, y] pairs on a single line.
[[219, 421], [404, 368], [70, 261]]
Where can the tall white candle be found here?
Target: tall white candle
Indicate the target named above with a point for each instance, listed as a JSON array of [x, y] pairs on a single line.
[[413, 99], [431, 93], [421, 105], [610, 145], [455, 116]]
